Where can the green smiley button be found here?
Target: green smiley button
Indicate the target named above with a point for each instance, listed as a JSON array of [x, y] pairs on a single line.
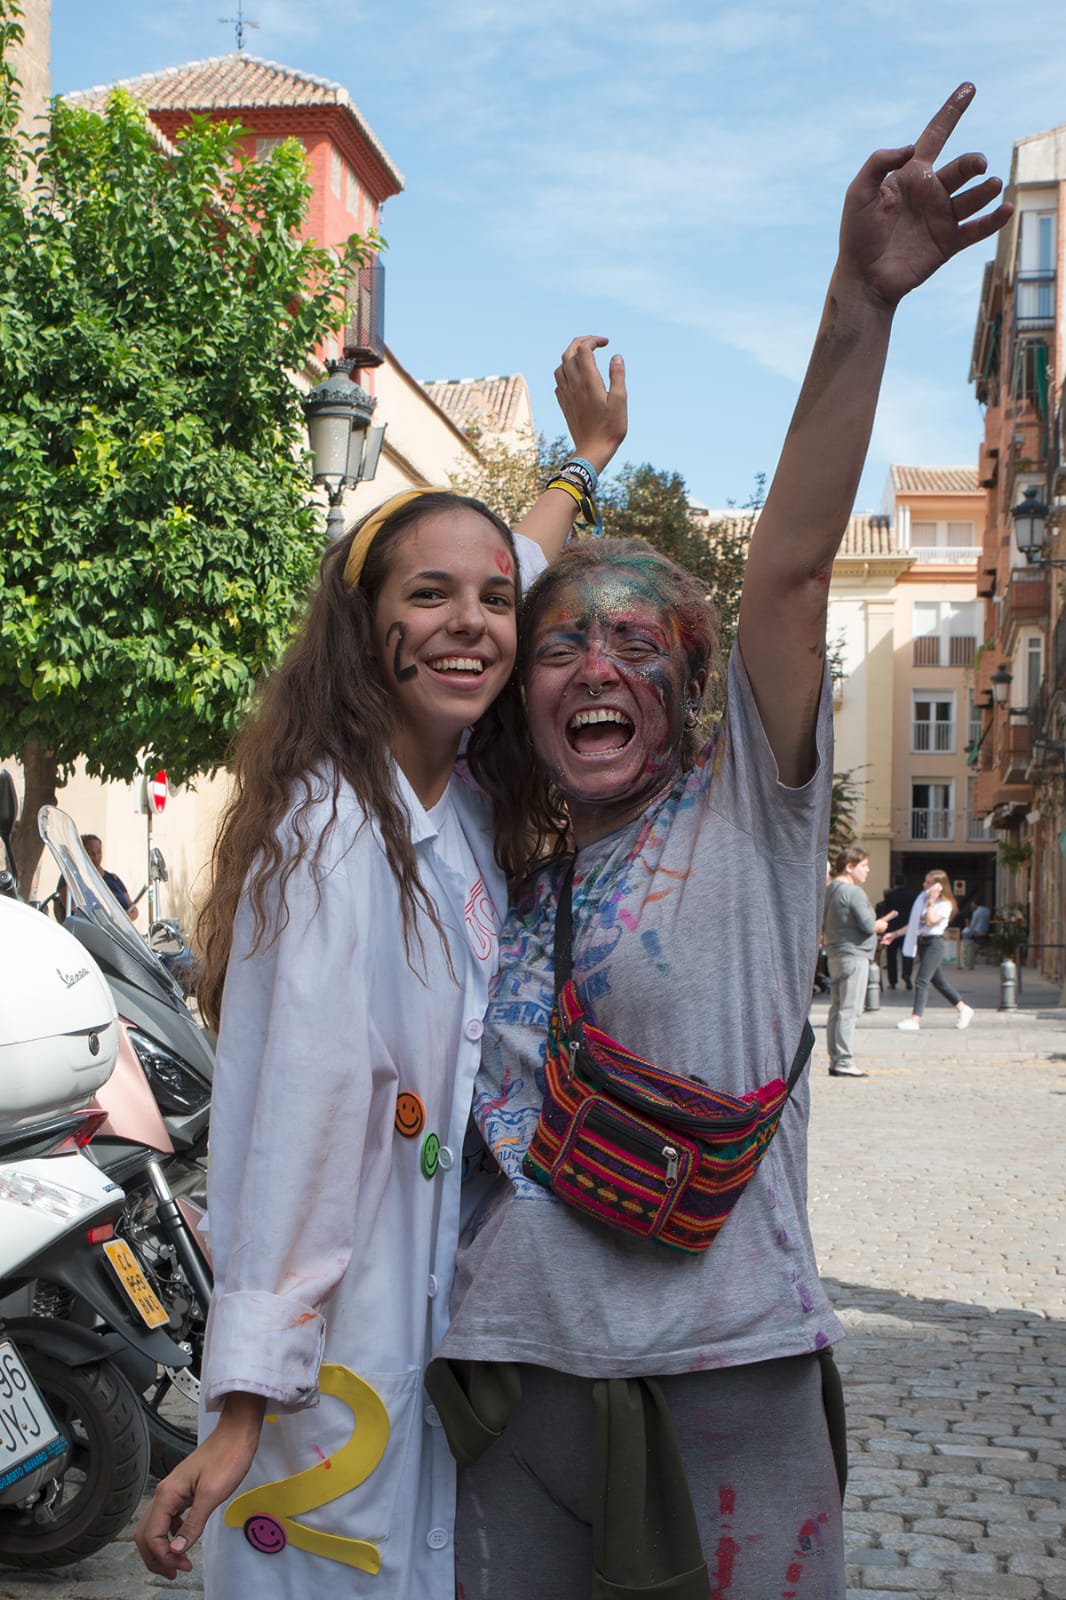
[[430, 1155]]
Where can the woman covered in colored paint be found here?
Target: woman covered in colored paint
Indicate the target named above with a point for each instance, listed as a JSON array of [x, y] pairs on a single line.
[[634, 1419], [354, 922], [923, 938]]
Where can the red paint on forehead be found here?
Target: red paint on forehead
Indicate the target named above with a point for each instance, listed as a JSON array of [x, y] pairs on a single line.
[[503, 561]]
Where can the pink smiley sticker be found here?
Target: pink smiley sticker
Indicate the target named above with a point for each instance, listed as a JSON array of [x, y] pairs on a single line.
[[266, 1535]]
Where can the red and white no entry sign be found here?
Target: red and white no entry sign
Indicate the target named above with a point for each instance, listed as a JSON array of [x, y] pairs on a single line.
[[157, 791]]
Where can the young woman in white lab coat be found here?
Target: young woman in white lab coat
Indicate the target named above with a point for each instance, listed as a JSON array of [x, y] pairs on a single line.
[[349, 942]]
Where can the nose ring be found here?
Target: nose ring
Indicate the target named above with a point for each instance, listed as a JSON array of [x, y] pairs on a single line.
[[595, 693]]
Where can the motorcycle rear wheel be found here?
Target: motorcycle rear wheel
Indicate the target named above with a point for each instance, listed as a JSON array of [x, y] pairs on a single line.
[[101, 1415]]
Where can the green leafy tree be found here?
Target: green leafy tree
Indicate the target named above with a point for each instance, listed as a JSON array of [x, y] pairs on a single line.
[[508, 478], [643, 502], [844, 808], [156, 530]]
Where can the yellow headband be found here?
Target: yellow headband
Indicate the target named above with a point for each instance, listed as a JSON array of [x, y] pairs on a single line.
[[353, 567]]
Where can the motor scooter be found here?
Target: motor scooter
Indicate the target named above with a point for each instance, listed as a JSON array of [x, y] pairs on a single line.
[[154, 1140], [74, 1449]]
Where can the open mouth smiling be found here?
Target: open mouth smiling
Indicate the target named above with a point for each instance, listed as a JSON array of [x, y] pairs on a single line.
[[599, 731]]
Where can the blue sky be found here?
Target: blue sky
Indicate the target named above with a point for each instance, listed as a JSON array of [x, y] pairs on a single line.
[[668, 174]]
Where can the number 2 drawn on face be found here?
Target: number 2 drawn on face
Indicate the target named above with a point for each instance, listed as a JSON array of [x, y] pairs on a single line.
[[266, 1513], [401, 674]]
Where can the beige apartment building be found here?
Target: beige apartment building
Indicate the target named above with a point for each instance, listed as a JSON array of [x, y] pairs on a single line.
[[904, 630]]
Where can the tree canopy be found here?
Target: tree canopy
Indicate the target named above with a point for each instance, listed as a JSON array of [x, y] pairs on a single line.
[[156, 526]]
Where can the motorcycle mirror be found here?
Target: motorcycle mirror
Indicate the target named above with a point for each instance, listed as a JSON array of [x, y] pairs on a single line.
[[164, 940], [159, 866], [9, 809]]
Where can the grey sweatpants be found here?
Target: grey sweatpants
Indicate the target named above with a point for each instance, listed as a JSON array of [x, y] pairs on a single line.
[[757, 1456], [847, 979]]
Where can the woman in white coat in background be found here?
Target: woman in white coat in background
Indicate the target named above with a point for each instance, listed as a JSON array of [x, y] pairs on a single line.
[[348, 943], [923, 939]]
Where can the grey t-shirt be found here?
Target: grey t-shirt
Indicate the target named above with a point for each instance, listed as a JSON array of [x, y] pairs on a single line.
[[848, 920], [694, 945]]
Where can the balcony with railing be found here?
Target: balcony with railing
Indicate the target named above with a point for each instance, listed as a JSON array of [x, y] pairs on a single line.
[[932, 735], [364, 331], [1026, 598], [945, 555], [1034, 301], [976, 832], [1014, 746], [930, 650], [932, 822]]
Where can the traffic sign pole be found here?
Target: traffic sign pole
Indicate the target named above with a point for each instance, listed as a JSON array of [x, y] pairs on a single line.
[[156, 790]]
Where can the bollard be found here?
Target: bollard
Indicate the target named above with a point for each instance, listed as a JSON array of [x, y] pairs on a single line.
[[873, 987], [1008, 986]]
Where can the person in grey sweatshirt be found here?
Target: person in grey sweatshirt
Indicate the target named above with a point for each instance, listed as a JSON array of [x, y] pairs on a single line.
[[850, 929]]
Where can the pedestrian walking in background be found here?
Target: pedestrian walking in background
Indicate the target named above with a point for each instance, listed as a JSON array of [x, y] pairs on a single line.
[[900, 900], [924, 938], [850, 930]]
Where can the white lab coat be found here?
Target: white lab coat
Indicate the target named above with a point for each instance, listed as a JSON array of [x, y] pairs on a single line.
[[330, 1244]]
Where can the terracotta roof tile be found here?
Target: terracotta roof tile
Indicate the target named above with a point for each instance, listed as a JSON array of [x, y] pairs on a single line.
[[231, 83], [935, 480], [869, 535], [497, 404]]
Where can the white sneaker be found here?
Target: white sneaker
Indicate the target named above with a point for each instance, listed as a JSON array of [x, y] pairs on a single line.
[[965, 1017], [908, 1025]]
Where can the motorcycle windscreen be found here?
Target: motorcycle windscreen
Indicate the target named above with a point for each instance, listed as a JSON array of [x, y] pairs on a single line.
[[90, 894]]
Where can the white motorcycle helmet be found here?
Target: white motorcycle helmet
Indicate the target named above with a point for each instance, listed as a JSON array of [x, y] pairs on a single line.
[[58, 1025]]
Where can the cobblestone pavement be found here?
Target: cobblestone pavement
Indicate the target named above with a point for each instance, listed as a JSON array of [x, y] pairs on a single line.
[[937, 1199]]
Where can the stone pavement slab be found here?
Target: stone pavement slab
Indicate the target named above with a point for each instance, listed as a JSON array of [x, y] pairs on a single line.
[[937, 1191]]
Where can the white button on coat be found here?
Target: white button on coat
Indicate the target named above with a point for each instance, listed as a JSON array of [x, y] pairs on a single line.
[[437, 1538], [432, 1416], [445, 1159], [474, 1028], [432, 1286]]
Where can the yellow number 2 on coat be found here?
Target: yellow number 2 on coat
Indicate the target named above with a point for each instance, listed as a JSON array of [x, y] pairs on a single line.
[[266, 1513]]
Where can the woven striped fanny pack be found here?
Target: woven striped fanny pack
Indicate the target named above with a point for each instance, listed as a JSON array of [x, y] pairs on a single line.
[[635, 1146]]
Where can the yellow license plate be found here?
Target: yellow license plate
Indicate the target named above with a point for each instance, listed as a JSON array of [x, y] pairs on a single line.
[[150, 1308]]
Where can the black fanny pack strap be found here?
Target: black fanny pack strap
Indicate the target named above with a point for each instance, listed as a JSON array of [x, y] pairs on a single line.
[[564, 966], [564, 930], [802, 1056]]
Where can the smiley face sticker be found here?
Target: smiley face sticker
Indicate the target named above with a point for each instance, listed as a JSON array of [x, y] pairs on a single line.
[[410, 1115], [266, 1535], [430, 1155]]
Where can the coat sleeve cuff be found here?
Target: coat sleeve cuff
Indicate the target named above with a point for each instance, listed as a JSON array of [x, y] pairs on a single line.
[[264, 1344]]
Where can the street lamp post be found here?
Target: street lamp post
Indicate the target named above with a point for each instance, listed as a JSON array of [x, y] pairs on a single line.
[[345, 449], [1001, 681], [1030, 529]]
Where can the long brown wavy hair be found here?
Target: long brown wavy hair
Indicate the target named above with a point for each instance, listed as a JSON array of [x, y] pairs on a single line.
[[538, 828], [325, 716]]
